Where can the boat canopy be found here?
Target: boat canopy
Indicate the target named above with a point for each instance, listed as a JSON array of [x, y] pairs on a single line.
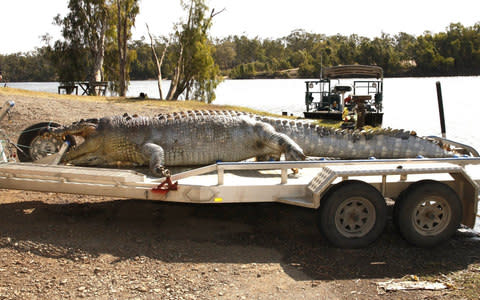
[[353, 71]]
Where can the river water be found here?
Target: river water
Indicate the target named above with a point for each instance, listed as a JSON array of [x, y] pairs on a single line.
[[409, 103]]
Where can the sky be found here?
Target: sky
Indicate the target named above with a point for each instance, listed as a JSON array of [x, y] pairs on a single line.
[[23, 22]]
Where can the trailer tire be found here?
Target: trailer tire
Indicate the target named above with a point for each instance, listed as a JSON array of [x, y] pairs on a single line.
[[352, 214], [33, 133], [429, 213], [400, 199]]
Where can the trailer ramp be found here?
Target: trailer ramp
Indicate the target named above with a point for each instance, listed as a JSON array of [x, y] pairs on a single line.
[[76, 180]]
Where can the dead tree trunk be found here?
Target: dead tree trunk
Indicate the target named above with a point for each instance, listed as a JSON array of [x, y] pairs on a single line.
[[176, 77], [158, 63]]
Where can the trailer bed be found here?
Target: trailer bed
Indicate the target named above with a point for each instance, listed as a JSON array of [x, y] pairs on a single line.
[[235, 182]]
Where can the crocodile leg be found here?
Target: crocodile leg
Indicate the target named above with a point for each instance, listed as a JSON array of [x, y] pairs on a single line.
[[156, 157], [279, 143], [286, 145]]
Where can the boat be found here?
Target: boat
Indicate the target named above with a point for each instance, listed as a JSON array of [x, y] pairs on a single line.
[[344, 91]]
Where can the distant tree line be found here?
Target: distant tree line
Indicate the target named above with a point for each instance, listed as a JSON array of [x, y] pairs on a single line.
[[300, 54], [30, 66], [454, 52]]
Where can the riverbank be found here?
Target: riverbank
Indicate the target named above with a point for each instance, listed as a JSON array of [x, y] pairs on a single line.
[[70, 246]]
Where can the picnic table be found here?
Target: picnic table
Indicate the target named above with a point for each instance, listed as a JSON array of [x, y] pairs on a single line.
[[88, 87], [69, 88]]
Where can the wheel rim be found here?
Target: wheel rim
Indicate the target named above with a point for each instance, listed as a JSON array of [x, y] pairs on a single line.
[[355, 217], [431, 216], [42, 146]]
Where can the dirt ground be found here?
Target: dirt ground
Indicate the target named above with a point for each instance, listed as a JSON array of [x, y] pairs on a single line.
[[69, 246]]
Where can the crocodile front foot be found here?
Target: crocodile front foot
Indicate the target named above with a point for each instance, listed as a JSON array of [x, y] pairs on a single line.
[[161, 172]]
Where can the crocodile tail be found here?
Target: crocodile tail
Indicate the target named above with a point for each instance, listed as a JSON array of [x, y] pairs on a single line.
[[322, 141]]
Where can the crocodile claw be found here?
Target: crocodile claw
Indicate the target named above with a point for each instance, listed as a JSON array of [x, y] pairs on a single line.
[[161, 172]]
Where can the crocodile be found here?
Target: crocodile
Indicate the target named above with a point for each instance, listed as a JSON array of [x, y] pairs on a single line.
[[177, 139], [204, 137]]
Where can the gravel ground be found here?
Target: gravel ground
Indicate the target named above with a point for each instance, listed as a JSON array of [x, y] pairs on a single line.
[[73, 246]]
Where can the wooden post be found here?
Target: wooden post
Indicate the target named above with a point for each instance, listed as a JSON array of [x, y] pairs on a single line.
[[360, 114], [440, 110]]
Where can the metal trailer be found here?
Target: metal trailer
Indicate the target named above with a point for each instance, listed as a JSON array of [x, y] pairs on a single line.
[[432, 196]]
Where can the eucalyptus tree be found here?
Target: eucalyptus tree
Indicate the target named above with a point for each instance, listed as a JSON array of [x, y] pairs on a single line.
[[125, 14], [85, 27], [196, 74], [225, 53]]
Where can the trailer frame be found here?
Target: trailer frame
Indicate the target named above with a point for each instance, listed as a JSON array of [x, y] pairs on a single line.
[[252, 182]]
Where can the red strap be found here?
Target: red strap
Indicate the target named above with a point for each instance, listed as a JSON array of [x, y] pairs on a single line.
[[165, 187]]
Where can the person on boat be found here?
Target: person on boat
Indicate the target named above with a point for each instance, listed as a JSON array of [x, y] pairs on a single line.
[[334, 105], [345, 115], [348, 99]]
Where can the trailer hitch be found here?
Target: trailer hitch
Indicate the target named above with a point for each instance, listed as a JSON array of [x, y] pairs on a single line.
[[166, 186]]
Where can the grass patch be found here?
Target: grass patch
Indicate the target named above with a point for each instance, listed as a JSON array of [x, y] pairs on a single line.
[[7, 91], [169, 105], [329, 123]]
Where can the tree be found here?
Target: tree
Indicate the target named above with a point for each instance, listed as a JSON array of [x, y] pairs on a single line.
[[30, 66], [69, 61], [453, 52], [143, 67], [225, 54], [158, 62], [429, 60], [247, 50], [196, 73], [347, 50], [126, 12], [85, 27]]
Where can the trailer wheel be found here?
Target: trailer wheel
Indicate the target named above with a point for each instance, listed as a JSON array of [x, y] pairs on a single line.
[[352, 215], [35, 146], [428, 213], [400, 199]]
